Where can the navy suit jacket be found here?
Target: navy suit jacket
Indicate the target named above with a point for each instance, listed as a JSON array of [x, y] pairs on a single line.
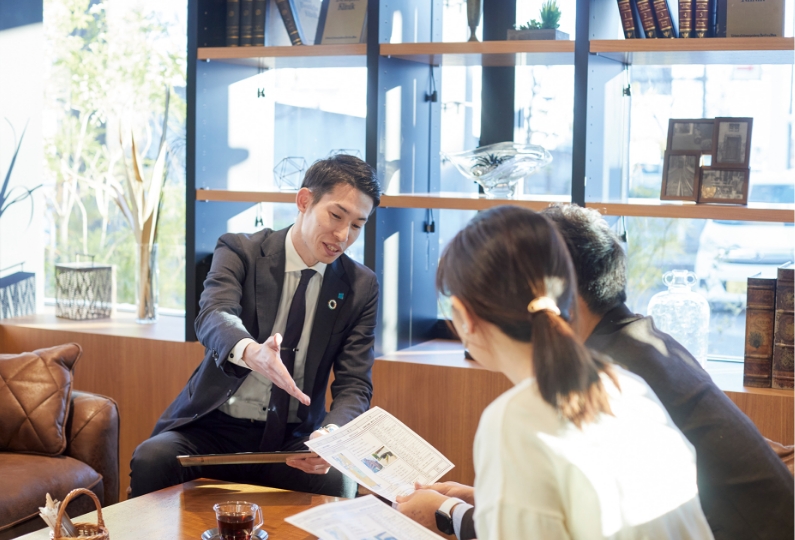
[[746, 491], [240, 299]]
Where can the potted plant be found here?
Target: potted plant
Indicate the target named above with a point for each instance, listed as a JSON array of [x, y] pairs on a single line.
[[547, 28]]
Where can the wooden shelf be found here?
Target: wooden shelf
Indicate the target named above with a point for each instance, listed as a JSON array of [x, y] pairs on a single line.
[[779, 213], [443, 200], [305, 56], [776, 213], [697, 51], [222, 195], [728, 376], [488, 53], [119, 324]]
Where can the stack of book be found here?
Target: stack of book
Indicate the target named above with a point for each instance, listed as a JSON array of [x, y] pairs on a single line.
[[331, 22], [245, 23], [769, 330], [701, 18]]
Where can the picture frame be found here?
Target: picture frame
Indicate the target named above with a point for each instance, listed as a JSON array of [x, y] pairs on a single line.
[[691, 134], [724, 185], [681, 175], [732, 143]]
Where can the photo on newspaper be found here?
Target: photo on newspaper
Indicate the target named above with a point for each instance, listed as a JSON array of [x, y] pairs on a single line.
[[382, 454], [363, 518]]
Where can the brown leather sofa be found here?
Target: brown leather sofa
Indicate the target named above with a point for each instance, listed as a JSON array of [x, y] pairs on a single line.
[[87, 458]]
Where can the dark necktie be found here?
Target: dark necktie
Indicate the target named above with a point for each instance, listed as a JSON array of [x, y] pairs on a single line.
[[278, 408]]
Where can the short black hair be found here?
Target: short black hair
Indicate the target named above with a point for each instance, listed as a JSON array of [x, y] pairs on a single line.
[[325, 174], [599, 260]]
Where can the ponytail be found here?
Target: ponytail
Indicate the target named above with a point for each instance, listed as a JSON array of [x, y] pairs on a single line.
[[567, 373]]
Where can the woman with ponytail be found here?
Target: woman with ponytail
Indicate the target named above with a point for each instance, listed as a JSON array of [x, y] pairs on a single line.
[[578, 448]]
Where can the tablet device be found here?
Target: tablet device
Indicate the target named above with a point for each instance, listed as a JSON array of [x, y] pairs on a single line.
[[244, 458]]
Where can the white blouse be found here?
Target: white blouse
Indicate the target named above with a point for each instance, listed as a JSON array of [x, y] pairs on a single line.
[[632, 475]]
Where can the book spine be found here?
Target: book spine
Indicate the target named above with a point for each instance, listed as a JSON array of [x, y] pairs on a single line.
[[258, 23], [720, 15], [701, 19], [232, 23], [783, 334], [712, 18], [759, 315], [321, 22], [647, 18], [663, 15], [291, 23], [685, 18], [246, 17], [627, 20]]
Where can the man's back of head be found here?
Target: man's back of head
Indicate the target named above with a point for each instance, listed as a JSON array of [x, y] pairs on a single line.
[[599, 261]]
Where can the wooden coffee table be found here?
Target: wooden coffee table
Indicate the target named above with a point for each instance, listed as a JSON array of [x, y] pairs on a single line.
[[184, 512]]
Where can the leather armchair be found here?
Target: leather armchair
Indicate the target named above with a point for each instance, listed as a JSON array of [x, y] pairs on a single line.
[[91, 460]]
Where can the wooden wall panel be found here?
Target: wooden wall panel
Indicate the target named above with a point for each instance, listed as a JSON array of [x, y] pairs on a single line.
[[441, 400], [442, 404], [774, 415]]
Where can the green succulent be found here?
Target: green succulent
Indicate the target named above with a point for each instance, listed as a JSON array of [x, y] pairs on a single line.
[[550, 18], [550, 14]]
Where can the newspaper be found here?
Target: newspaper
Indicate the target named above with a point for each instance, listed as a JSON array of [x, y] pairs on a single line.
[[364, 518], [382, 454]]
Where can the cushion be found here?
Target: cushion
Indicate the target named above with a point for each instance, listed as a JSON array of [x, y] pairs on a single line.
[[25, 481], [35, 390]]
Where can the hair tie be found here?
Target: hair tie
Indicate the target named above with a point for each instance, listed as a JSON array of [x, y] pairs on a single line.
[[543, 303]]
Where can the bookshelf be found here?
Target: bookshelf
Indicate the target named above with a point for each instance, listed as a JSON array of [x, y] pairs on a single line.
[[666, 52], [457, 201], [483, 53], [287, 57], [401, 68]]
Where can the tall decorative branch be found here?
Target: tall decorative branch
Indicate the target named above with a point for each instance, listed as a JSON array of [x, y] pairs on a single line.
[[139, 199], [7, 197]]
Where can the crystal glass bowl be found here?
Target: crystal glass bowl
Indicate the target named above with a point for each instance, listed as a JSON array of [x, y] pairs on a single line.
[[499, 167]]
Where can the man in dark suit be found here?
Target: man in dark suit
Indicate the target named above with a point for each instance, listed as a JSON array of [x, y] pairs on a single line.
[[279, 311], [745, 490]]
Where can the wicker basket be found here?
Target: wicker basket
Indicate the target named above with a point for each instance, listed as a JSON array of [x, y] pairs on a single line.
[[89, 530]]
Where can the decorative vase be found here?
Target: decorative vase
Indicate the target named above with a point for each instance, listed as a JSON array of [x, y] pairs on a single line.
[[499, 167], [682, 313], [473, 18], [146, 278]]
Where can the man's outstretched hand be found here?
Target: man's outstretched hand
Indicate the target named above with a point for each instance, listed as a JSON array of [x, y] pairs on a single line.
[[266, 360]]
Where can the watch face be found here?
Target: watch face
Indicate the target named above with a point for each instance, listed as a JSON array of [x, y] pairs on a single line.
[[444, 523]]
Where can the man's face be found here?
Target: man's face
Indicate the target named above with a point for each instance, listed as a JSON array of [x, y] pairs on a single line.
[[324, 230]]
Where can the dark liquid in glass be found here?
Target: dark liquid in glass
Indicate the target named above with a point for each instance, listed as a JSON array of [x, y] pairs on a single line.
[[235, 526]]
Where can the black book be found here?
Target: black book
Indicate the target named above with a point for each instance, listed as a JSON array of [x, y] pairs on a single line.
[[246, 18], [232, 23], [258, 23], [291, 21]]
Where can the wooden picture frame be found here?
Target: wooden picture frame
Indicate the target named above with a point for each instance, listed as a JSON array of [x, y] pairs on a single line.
[[681, 175], [731, 143], [691, 135], [724, 185]]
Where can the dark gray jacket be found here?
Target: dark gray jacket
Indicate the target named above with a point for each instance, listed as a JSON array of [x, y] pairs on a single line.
[[240, 299]]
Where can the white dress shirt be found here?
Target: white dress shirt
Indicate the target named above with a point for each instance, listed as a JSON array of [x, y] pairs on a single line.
[[252, 398]]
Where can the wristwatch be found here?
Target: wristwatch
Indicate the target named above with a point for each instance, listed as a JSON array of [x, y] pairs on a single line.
[[444, 515], [328, 428]]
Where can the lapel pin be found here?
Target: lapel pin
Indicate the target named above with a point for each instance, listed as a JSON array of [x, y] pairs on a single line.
[[332, 304], [341, 296]]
